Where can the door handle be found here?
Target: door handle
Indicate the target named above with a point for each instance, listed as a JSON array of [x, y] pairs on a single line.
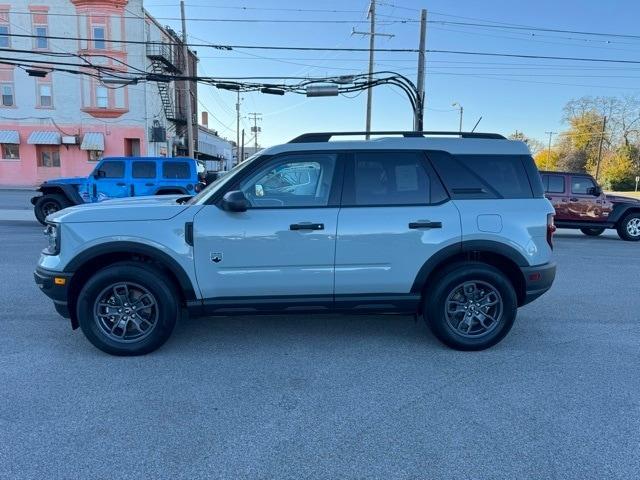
[[573, 199], [149, 184], [426, 224], [121, 184], [306, 226]]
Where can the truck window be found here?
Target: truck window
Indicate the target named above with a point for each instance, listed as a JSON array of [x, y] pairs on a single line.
[[113, 169], [581, 185], [144, 170], [176, 170], [553, 183]]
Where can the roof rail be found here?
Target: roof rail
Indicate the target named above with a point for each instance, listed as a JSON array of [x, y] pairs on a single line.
[[326, 136]]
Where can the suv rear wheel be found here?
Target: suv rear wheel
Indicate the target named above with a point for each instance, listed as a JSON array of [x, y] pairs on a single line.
[[592, 232], [629, 227], [471, 307], [48, 204], [128, 308]]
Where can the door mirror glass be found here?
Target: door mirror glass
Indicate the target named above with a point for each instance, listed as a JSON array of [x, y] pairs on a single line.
[[595, 191], [259, 190], [235, 201]]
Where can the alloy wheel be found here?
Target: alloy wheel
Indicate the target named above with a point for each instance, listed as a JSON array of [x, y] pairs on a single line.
[[474, 309], [633, 227], [126, 312]]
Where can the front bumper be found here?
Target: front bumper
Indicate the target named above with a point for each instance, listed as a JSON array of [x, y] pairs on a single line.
[[537, 280], [54, 285]]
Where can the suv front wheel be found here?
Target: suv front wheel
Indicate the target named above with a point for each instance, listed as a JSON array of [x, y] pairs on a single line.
[[472, 306], [629, 227], [128, 308]]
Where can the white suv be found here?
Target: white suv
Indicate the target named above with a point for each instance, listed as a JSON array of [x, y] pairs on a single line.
[[451, 227]]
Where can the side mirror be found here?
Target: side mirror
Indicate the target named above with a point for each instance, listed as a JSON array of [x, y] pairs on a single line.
[[235, 201], [99, 174], [595, 191]]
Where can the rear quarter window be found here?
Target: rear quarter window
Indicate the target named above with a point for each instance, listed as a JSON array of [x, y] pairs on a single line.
[[486, 176], [176, 170]]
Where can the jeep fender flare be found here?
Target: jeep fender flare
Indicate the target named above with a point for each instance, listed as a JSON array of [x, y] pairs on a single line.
[[620, 210], [127, 247], [67, 190], [458, 250]]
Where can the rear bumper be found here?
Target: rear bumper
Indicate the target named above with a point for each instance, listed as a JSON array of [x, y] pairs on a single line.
[[54, 285], [538, 280]]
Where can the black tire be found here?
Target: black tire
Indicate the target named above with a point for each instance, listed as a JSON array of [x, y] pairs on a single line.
[[592, 231], [139, 277], [629, 227], [48, 204], [449, 281]]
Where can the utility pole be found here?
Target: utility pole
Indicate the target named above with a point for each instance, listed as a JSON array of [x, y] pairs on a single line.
[[255, 129], [418, 123], [241, 149], [456, 104], [372, 45], [604, 126], [546, 164], [238, 127], [187, 83]]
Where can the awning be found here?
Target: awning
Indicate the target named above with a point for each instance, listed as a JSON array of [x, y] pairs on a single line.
[[44, 138], [9, 136], [93, 141]]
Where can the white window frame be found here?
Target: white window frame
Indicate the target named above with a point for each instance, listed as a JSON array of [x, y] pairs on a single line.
[[2, 94], [99, 90], [40, 96]]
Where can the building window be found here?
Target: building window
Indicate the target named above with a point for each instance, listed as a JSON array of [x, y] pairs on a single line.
[[4, 36], [45, 95], [48, 155], [94, 155], [98, 38], [42, 41], [10, 151], [7, 95], [102, 97]]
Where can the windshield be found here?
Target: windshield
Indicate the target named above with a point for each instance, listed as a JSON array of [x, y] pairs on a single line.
[[223, 179]]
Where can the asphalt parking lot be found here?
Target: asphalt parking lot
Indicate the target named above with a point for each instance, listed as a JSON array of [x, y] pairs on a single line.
[[330, 397]]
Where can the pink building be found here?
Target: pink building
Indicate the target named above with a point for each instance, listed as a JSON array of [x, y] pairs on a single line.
[[61, 123]]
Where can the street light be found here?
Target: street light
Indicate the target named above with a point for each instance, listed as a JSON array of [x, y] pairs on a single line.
[[456, 104]]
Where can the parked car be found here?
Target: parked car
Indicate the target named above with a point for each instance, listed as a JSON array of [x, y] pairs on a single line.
[[454, 229], [119, 177], [580, 203]]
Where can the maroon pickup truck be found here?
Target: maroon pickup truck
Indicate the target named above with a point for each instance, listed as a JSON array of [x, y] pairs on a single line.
[[580, 203]]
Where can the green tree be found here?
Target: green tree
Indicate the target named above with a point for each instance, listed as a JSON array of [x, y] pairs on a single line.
[[544, 161], [619, 168]]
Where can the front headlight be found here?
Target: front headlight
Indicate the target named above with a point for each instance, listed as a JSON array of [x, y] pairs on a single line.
[[52, 232]]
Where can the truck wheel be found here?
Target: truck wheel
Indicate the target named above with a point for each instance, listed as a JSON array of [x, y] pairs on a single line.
[[629, 227], [592, 232], [48, 204], [128, 308], [472, 306]]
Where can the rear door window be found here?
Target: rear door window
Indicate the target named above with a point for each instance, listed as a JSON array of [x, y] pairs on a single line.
[[144, 170], [553, 183], [176, 170], [389, 178]]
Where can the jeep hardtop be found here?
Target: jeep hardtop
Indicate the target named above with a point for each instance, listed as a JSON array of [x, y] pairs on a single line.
[[451, 227]]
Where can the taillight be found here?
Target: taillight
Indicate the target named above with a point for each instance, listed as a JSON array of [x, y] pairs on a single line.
[[551, 228]]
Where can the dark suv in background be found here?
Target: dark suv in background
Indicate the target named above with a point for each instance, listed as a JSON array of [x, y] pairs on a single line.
[[580, 203]]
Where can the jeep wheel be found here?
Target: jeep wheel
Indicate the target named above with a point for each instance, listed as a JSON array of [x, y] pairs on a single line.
[[592, 232], [48, 204], [128, 308], [629, 227], [471, 307]]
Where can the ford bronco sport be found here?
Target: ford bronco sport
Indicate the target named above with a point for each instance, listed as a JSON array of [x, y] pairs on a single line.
[[580, 203], [456, 230], [119, 177]]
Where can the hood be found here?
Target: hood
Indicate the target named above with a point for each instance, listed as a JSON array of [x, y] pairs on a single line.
[[620, 199], [159, 207], [65, 180]]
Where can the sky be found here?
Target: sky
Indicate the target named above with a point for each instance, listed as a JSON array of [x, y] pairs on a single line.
[[508, 93]]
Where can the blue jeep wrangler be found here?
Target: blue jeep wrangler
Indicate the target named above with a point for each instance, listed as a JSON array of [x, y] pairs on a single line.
[[119, 177]]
